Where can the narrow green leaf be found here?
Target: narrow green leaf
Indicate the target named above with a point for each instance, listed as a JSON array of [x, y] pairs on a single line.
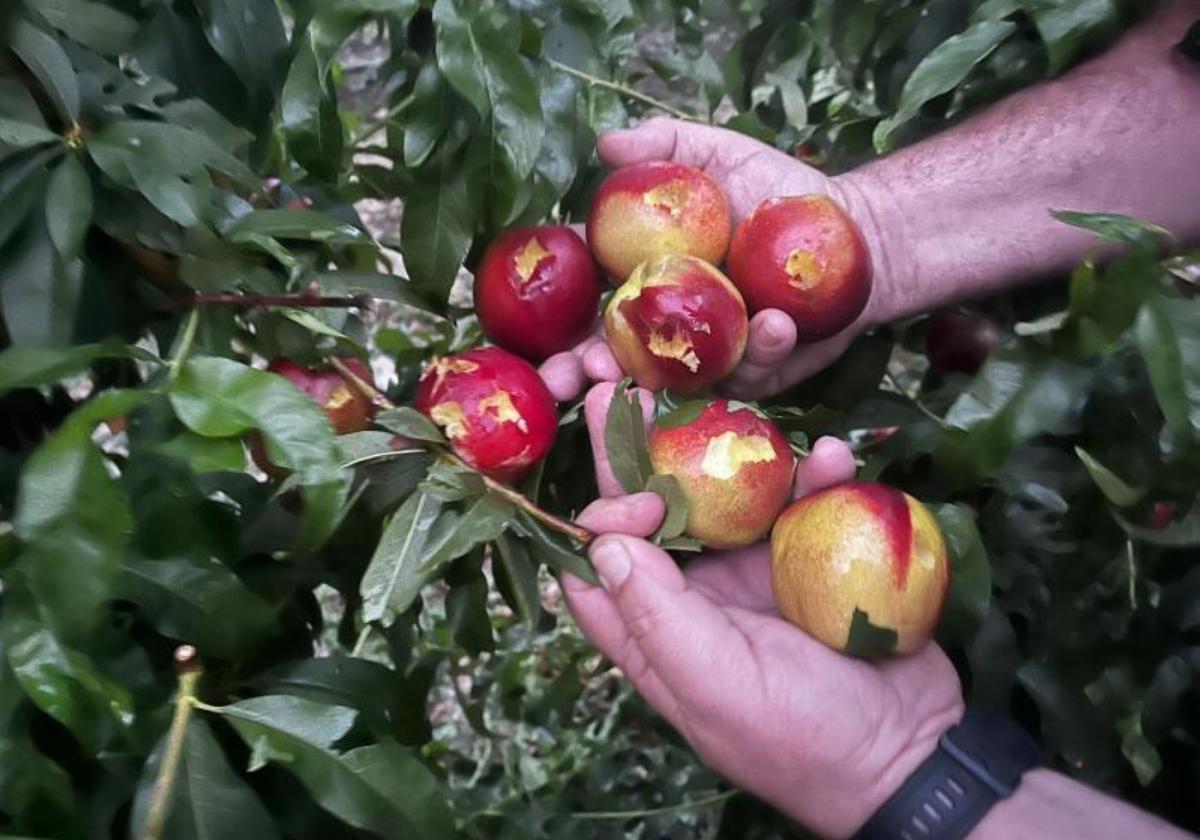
[[467, 607], [249, 35], [410, 423], [49, 65], [39, 292], [1114, 227], [625, 440], [26, 367], [23, 135], [675, 521], [553, 549], [436, 230], [307, 225], [941, 71], [69, 207], [1110, 484], [970, 573], [866, 640], [1067, 29], [209, 800], [1168, 336], [392, 580], [204, 454], [95, 25], [517, 579]]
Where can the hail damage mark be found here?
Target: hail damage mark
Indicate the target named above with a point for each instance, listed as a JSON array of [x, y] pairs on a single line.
[[529, 258], [671, 196], [728, 452], [500, 405], [803, 268], [676, 346], [449, 415]]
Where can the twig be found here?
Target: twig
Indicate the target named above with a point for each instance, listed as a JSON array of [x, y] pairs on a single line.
[[361, 642], [185, 699], [653, 812], [370, 128], [622, 89], [921, 407], [576, 532], [185, 345], [302, 301]]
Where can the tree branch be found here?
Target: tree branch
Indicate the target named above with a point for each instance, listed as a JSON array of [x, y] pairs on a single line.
[[301, 301], [189, 671], [596, 81]]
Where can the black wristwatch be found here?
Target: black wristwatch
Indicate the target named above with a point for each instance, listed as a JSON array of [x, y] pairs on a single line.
[[976, 764]]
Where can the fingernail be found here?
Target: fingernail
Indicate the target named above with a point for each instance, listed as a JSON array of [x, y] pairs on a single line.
[[613, 563]]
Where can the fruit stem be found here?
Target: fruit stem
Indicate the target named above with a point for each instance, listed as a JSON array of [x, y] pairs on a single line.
[[188, 668], [622, 89], [370, 128], [185, 345], [576, 532], [303, 301]]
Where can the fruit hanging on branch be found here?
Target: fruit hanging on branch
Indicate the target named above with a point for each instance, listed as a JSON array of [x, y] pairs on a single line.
[[537, 291], [649, 210], [805, 256], [735, 469], [677, 323], [348, 409], [861, 567], [960, 342], [493, 408]]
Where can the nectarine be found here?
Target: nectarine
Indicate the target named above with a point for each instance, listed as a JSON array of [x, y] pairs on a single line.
[[805, 256], [348, 409], [860, 553], [735, 469], [677, 323], [494, 409]]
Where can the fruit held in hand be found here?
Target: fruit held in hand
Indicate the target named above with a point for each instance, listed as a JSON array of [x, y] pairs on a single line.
[[677, 323], [649, 210], [861, 567], [960, 341], [735, 469], [805, 256], [348, 408], [536, 291], [494, 409]]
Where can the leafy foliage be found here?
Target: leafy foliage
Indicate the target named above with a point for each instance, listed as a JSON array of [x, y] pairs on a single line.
[[383, 650]]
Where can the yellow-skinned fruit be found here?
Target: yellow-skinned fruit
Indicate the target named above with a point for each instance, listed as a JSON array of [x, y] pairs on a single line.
[[856, 563]]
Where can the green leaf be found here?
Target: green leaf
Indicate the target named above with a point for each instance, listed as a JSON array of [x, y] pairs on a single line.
[[167, 164], [26, 367], [625, 440], [23, 135], [221, 398], [40, 293], [1182, 533], [970, 573], [1067, 29], [380, 788], [1110, 484], [436, 230], [374, 690], [553, 550], [249, 35], [410, 423], [199, 601], [68, 207], [95, 25], [74, 522], [467, 608], [392, 580], [486, 68], [65, 684], [941, 71], [1114, 227], [517, 579], [307, 225], [49, 64], [1168, 336], [867, 641], [209, 800], [675, 521], [682, 414], [203, 454]]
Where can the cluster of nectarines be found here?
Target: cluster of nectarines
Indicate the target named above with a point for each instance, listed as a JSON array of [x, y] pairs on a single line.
[[676, 321]]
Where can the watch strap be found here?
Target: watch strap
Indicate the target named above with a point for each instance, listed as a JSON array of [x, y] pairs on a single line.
[[977, 763]]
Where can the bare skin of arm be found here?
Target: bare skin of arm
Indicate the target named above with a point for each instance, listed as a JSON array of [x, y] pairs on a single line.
[[965, 213]]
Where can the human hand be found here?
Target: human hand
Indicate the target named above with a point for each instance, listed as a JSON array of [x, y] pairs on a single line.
[[749, 171], [823, 737]]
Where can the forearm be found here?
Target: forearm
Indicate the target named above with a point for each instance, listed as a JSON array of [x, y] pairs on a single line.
[[966, 213], [1049, 805]]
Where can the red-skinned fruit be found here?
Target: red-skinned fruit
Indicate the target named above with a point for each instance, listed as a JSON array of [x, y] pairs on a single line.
[[348, 409], [677, 323], [652, 209], [860, 547], [805, 256], [960, 342], [1162, 515], [494, 409], [735, 469], [536, 291]]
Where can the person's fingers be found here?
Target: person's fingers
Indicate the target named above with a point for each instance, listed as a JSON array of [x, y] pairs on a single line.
[[772, 338], [739, 578], [599, 363], [595, 409], [563, 375], [638, 515], [829, 462], [663, 138], [751, 381]]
